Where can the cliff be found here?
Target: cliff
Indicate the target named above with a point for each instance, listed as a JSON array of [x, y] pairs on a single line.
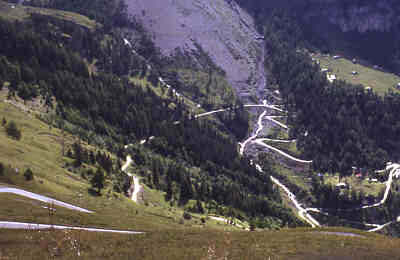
[[352, 15]]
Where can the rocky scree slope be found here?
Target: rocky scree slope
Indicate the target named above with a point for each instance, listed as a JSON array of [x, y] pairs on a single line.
[[221, 28]]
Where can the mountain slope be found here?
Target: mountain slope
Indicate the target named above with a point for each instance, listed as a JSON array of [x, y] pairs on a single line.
[[220, 28]]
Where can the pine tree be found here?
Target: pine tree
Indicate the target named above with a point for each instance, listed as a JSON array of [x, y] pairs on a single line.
[[169, 194], [98, 180], [28, 175], [199, 207]]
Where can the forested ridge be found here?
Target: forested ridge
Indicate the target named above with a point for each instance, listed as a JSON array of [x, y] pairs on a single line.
[[337, 125], [376, 47]]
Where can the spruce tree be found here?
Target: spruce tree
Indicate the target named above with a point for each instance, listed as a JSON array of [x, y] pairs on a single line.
[[98, 180]]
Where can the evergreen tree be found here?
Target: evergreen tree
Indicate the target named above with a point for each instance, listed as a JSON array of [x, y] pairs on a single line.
[[98, 180], [28, 175], [199, 207], [1, 169]]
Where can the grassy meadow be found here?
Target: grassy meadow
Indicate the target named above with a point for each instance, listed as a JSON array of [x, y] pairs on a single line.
[[378, 80], [20, 12]]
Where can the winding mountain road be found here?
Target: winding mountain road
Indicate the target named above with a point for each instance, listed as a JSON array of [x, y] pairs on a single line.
[[251, 138], [303, 212], [136, 185], [262, 143]]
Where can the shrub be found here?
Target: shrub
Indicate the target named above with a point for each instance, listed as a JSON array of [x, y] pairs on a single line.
[[1, 169], [28, 175], [187, 216], [13, 131]]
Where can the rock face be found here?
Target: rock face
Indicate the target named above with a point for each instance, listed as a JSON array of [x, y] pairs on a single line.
[[220, 27], [361, 16], [349, 15]]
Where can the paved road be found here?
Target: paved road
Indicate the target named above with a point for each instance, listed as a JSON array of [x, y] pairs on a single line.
[[251, 138], [136, 184], [33, 226], [42, 198], [303, 212], [272, 119], [261, 143]]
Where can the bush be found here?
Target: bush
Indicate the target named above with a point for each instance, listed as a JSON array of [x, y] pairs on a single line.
[[1, 169], [187, 216], [28, 175], [13, 131]]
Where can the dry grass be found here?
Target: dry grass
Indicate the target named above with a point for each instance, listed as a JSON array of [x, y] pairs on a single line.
[[197, 244]]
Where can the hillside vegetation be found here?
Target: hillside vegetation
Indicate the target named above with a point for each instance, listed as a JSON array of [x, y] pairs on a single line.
[[202, 244], [19, 12], [108, 93]]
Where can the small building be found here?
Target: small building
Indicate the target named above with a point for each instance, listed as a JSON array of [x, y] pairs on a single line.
[[341, 185], [331, 77]]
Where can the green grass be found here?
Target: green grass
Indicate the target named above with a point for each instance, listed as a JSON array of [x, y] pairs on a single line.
[[289, 148], [40, 149], [357, 184], [378, 80], [21, 12]]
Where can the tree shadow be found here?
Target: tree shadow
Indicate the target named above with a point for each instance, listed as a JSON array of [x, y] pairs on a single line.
[[93, 192]]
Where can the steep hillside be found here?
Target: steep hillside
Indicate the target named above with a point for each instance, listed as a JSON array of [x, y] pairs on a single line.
[[367, 29], [111, 92], [221, 28]]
